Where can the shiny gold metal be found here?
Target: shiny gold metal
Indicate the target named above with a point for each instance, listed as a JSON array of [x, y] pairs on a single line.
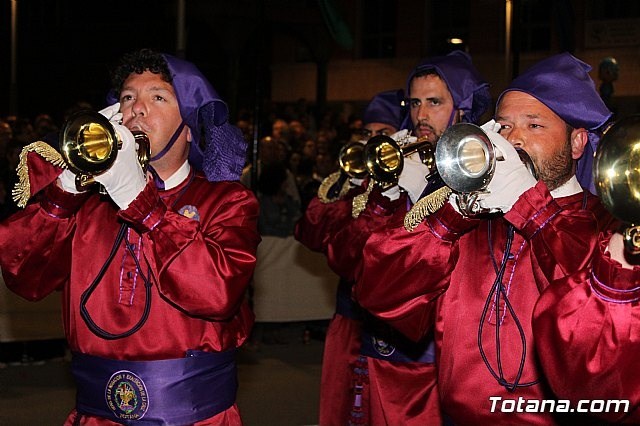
[[89, 145], [351, 160], [384, 157], [616, 171]]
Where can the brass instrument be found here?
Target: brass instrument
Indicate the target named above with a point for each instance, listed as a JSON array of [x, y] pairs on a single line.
[[384, 157], [466, 160], [616, 170], [351, 160], [89, 145]]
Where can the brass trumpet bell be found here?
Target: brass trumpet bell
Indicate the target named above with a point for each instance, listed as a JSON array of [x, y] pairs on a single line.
[[616, 170], [384, 158], [351, 160], [89, 146], [465, 158]]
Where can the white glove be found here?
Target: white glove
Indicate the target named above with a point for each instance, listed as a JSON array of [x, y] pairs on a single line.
[[403, 137], [392, 193], [125, 179], [112, 113], [67, 181], [511, 177], [413, 176]]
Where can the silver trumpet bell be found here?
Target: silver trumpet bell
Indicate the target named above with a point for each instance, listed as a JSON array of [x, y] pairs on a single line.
[[616, 171], [466, 161]]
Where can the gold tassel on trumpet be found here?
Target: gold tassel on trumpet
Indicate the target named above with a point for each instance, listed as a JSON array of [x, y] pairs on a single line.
[[327, 184], [22, 189], [425, 206], [360, 201]]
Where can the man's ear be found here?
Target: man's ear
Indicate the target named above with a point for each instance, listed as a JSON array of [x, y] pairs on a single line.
[[458, 116], [579, 139], [189, 137]]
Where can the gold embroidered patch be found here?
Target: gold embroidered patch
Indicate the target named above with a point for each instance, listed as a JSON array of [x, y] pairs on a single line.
[[425, 206], [327, 183], [22, 189], [359, 202]]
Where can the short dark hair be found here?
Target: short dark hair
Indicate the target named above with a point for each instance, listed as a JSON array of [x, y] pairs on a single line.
[[139, 61]]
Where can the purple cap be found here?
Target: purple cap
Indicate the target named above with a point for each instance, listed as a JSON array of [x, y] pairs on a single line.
[[207, 115], [468, 89], [385, 107], [563, 84]]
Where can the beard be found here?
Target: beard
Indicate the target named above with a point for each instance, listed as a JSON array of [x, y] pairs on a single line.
[[556, 170]]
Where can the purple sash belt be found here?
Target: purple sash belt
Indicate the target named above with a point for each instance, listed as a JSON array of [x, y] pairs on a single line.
[[172, 391], [397, 348], [345, 305]]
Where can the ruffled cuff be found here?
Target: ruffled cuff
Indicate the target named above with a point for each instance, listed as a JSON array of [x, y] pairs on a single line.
[[533, 210], [146, 211], [380, 205], [610, 281], [60, 203], [448, 224]]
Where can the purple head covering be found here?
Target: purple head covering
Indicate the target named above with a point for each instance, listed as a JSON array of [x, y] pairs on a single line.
[[563, 84], [468, 89], [385, 107], [207, 115]]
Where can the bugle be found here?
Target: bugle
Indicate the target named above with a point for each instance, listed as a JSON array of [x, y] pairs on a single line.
[[616, 171], [89, 145]]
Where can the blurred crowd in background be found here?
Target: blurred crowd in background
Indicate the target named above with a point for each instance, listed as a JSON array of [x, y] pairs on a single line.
[[296, 152]]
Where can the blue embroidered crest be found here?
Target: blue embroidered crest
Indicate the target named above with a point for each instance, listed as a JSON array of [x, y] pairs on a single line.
[[190, 211], [382, 347], [126, 395]]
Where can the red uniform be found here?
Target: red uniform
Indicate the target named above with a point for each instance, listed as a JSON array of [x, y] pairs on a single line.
[[440, 278], [593, 315], [342, 341], [195, 242]]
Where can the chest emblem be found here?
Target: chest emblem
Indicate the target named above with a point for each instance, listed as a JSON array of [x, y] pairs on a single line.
[[190, 211]]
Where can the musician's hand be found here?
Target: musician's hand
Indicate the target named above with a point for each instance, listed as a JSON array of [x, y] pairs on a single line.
[[67, 181], [511, 178], [413, 176], [392, 193], [125, 179], [112, 113]]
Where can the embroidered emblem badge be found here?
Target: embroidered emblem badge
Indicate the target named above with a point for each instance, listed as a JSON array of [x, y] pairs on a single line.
[[190, 211], [382, 347], [126, 395]]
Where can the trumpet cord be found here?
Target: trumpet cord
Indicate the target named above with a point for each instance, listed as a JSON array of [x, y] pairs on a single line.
[[84, 313], [498, 289]]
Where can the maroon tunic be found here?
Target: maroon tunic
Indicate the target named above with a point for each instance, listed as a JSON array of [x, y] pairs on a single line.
[[593, 315], [440, 278], [196, 242], [360, 389]]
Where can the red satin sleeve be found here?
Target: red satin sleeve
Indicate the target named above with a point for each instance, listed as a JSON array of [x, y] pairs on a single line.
[[402, 273], [588, 336], [344, 250], [34, 240], [320, 220], [202, 266]]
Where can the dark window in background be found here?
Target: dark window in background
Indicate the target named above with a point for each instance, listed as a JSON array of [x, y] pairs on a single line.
[[535, 25], [447, 20], [379, 29], [612, 9]]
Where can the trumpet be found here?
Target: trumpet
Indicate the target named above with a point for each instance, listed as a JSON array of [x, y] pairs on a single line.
[[382, 158], [616, 171], [351, 160], [466, 160], [89, 146]]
